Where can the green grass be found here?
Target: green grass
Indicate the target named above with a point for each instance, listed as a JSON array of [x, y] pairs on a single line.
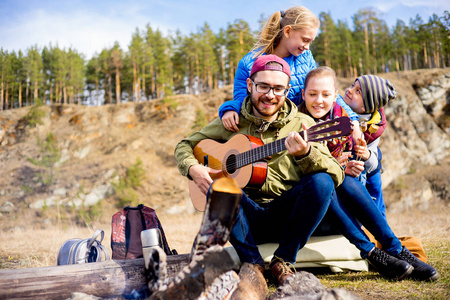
[[370, 285]]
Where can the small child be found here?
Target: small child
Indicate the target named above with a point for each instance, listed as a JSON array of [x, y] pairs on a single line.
[[367, 97]]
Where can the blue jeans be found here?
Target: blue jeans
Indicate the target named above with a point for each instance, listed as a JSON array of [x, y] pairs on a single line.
[[288, 220], [354, 206], [373, 186]]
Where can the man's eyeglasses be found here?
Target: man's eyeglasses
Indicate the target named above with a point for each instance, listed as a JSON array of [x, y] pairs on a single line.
[[264, 89]]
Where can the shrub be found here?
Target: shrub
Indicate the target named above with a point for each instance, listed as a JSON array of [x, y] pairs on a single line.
[[49, 155], [89, 215], [200, 120], [127, 185], [35, 114], [170, 102]]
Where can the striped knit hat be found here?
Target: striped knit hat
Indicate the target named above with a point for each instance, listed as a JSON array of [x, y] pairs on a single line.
[[376, 92]]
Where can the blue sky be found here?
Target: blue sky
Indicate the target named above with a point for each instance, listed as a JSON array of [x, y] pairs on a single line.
[[91, 25]]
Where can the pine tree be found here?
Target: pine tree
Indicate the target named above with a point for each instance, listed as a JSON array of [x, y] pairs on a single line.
[[93, 77], [35, 70], [162, 66], [136, 49], [117, 65], [75, 76], [325, 45], [240, 40], [106, 73]]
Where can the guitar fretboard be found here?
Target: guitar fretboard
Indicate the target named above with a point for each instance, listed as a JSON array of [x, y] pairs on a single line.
[[323, 131], [259, 153]]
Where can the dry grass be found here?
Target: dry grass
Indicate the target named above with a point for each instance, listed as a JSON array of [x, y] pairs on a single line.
[[25, 247], [433, 228]]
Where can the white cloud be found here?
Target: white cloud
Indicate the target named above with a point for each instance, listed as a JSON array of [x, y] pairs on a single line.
[[86, 31], [90, 26], [388, 6], [424, 3]]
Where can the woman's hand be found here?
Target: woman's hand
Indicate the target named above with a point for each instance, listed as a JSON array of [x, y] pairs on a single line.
[[343, 159], [230, 121], [354, 168]]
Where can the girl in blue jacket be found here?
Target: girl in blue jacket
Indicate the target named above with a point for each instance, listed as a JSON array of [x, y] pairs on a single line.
[[287, 34]]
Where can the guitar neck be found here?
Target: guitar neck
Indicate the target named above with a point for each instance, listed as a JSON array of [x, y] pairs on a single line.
[[261, 152], [320, 132]]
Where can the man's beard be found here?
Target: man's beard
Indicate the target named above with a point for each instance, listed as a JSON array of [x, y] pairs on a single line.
[[266, 112]]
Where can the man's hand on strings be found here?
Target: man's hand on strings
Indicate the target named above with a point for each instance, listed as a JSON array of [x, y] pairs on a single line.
[[296, 145]]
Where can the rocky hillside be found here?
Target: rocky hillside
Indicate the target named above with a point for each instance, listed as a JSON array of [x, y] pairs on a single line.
[[96, 145]]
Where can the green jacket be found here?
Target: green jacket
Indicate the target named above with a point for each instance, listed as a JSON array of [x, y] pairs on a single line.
[[284, 170]]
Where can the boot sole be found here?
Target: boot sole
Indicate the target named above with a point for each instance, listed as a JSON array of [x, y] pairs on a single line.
[[431, 278], [407, 273], [434, 277]]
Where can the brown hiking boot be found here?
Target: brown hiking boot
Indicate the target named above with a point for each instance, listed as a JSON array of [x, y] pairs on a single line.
[[260, 269], [281, 271]]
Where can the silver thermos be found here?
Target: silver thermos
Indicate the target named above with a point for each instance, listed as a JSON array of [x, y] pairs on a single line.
[[150, 239]]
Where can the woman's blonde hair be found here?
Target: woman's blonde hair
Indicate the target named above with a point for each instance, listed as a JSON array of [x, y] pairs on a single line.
[[298, 17], [320, 71]]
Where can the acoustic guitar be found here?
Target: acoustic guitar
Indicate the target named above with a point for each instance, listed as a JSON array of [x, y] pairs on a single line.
[[241, 157]]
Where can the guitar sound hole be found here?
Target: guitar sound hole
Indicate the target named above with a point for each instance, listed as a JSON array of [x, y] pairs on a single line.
[[230, 166]]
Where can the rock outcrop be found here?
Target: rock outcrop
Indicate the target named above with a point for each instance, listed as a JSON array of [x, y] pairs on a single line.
[[95, 140]]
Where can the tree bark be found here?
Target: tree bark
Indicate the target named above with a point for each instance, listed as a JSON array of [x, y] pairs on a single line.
[[102, 279], [6, 96], [117, 85], [20, 94], [1, 94]]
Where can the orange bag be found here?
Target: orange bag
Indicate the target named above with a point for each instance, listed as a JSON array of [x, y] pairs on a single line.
[[412, 243]]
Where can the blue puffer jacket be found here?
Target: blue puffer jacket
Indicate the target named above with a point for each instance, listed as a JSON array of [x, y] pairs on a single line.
[[300, 66]]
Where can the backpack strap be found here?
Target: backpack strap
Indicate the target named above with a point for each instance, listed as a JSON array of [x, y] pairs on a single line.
[[118, 234], [106, 252], [94, 238]]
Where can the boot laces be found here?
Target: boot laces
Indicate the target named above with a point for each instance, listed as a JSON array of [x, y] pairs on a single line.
[[286, 267], [407, 256], [380, 256]]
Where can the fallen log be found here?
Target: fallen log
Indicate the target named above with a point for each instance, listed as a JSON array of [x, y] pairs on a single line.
[[106, 279], [114, 278]]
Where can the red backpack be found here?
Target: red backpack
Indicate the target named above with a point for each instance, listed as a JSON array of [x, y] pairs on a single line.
[[127, 225]]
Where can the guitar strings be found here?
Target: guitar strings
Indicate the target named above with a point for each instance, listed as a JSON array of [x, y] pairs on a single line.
[[265, 150]]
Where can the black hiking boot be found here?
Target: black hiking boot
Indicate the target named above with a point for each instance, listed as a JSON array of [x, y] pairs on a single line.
[[422, 271], [389, 266]]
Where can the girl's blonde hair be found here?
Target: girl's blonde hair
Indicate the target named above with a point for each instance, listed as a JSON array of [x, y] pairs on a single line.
[[320, 71], [298, 17]]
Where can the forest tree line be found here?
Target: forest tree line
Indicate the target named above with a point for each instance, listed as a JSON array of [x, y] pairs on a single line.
[[156, 66]]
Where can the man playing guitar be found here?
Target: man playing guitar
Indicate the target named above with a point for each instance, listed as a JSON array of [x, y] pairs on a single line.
[[300, 175]]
